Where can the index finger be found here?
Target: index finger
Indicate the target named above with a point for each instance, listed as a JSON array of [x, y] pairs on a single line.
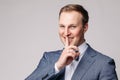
[[66, 42]]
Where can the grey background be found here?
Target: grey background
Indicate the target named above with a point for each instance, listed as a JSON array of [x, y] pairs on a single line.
[[30, 27]]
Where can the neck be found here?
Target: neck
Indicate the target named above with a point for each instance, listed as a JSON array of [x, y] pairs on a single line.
[[82, 41]]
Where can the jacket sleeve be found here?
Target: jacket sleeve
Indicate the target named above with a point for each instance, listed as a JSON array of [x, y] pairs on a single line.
[[44, 71], [108, 71]]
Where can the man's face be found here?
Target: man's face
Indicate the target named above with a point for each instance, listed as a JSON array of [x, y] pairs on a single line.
[[70, 25]]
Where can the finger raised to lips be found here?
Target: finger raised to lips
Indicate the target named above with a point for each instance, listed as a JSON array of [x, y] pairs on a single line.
[[67, 43]]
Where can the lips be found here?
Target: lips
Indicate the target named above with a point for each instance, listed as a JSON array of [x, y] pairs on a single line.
[[69, 38]]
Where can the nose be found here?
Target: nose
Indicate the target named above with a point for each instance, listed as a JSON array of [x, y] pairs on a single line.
[[67, 31]]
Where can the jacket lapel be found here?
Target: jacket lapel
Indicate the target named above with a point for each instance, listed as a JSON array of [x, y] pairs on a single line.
[[85, 63]]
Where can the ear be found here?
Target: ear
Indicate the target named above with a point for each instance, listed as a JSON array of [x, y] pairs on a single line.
[[85, 27]]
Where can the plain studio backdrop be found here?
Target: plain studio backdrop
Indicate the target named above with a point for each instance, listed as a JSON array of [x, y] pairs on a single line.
[[28, 28]]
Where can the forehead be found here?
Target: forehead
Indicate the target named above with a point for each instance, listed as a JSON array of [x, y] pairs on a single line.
[[68, 17]]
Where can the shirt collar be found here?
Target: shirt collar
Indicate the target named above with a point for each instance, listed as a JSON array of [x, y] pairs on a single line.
[[82, 48]]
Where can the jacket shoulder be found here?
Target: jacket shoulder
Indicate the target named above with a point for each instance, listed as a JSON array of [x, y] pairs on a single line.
[[98, 55]]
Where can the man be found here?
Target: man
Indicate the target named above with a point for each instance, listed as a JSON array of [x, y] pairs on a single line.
[[77, 61]]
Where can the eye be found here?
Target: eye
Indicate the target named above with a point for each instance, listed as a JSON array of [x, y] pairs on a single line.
[[62, 26], [72, 27]]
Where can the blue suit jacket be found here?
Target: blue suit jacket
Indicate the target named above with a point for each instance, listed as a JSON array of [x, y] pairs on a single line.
[[93, 66]]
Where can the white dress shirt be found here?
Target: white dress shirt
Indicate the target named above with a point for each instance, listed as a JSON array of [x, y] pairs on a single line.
[[71, 67]]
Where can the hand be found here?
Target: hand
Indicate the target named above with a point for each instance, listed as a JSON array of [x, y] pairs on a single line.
[[70, 53]]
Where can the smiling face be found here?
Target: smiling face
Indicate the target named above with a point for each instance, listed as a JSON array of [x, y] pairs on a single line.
[[70, 25]]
